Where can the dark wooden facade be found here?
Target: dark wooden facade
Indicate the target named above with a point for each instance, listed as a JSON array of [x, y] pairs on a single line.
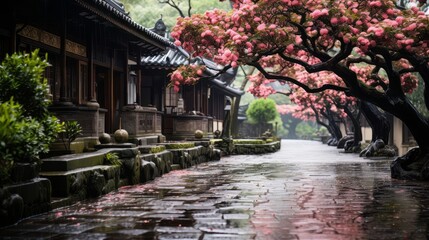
[[197, 107], [90, 45]]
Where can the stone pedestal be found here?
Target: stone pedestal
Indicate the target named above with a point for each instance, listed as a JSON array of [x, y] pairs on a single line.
[[141, 121]]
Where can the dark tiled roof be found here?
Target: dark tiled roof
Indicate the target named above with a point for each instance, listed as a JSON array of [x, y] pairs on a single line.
[[174, 58], [171, 59], [115, 13]]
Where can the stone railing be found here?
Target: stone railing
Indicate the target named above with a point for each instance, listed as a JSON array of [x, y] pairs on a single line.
[[141, 121], [180, 127]]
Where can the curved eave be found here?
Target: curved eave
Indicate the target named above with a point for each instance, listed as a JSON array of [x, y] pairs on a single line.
[[170, 60], [228, 90], [123, 21]]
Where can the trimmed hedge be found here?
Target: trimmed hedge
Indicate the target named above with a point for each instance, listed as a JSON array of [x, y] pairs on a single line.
[[249, 141], [180, 145], [157, 149]]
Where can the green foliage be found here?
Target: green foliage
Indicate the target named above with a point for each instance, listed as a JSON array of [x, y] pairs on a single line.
[[181, 145], [71, 131], [248, 141], [323, 131], [157, 149], [21, 77], [27, 127], [147, 16], [112, 159], [305, 130], [262, 111], [20, 138]]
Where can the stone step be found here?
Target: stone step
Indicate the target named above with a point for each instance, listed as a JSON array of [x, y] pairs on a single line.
[[147, 140], [73, 161], [85, 182]]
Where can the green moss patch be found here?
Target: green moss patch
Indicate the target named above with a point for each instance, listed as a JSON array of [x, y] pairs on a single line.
[[157, 149], [249, 141], [180, 145]]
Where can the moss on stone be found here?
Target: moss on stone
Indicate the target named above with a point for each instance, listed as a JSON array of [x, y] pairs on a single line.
[[157, 149], [181, 145], [249, 141]]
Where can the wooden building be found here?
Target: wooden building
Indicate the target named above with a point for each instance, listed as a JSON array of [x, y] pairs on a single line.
[[197, 107], [107, 70], [91, 45]]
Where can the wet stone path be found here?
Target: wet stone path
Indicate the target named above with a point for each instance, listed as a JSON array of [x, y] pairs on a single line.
[[305, 191]]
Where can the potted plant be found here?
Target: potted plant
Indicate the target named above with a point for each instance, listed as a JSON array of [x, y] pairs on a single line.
[[71, 131]]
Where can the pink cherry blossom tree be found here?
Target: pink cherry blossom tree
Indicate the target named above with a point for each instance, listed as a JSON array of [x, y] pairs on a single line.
[[339, 35]]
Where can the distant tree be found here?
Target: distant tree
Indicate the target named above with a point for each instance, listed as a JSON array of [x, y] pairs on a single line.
[[147, 12], [262, 111]]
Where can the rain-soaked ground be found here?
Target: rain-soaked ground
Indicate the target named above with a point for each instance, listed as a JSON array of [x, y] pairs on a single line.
[[305, 191]]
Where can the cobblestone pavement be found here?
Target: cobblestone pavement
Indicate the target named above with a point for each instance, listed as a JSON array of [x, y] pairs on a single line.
[[305, 191]]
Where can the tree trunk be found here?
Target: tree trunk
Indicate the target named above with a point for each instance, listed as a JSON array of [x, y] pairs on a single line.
[[380, 127], [415, 164], [357, 137], [334, 127], [377, 120], [320, 122], [235, 104]]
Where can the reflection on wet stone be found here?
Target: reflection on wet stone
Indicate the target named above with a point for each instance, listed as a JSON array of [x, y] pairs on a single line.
[[305, 191]]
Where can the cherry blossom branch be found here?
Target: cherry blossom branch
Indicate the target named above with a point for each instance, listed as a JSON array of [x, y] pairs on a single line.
[[189, 8], [394, 77], [284, 93], [318, 120], [298, 83]]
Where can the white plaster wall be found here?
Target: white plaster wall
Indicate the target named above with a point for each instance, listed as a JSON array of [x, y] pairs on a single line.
[[366, 134], [397, 136]]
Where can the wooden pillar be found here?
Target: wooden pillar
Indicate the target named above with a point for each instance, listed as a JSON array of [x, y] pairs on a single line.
[[111, 97], [92, 101], [64, 96], [124, 86], [139, 79], [194, 98]]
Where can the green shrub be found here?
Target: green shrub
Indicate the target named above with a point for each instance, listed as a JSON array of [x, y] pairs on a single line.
[[25, 95], [112, 159], [262, 111], [249, 141], [71, 131], [182, 145], [157, 149], [21, 77], [19, 138]]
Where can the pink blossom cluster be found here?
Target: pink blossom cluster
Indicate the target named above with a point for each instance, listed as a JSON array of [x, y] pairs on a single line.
[[254, 30], [186, 75], [284, 109], [259, 86]]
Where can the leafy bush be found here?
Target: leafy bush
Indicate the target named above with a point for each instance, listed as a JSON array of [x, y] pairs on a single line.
[[262, 111], [27, 126], [71, 131], [19, 137], [112, 159], [182, 145], [249, 141], [157, 149], [21, 77]]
